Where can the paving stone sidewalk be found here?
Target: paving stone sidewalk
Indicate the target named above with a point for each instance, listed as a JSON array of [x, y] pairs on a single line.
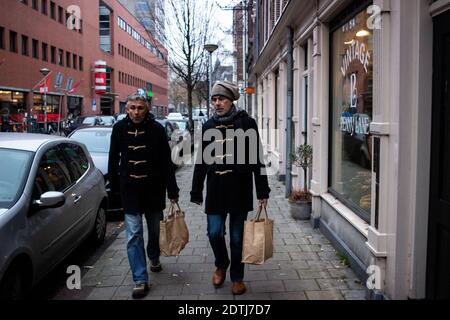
[[304, 267]]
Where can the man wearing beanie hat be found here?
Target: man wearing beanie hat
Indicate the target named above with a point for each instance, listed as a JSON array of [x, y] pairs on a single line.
[[226, 89], [229, 181]]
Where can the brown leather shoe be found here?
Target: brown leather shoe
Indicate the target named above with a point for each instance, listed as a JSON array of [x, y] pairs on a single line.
[[218, 277], [238, 288]]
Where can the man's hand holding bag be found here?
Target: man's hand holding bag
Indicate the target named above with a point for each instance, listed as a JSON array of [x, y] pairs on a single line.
[[258, 239], [173, 232]]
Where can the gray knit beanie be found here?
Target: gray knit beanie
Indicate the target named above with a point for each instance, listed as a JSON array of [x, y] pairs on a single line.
[[226, 89]]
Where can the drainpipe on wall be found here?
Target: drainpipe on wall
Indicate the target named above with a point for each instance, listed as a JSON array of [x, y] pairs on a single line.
[[290, 110]]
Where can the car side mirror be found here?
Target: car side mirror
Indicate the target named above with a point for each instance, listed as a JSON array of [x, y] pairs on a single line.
[[51, 199]]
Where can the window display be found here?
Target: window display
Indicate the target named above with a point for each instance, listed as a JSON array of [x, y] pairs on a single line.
[[352, 90]]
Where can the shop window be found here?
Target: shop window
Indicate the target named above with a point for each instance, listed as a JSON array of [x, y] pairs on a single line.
[[12, 108], [74, 106], [46, 115], [351, 113]]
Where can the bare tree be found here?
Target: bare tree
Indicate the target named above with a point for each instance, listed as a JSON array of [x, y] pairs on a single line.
[[188, 28]]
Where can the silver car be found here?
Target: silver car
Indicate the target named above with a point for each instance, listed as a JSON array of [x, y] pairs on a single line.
[[52, 198], [97, 141]]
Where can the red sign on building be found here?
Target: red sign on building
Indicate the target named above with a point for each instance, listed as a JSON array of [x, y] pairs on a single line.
[[100, 77]]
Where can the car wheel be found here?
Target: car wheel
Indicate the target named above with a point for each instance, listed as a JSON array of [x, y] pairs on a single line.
[[99, 232], [14, 285]]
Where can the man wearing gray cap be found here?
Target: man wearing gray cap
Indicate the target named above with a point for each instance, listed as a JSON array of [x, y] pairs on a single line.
[[230, 176]]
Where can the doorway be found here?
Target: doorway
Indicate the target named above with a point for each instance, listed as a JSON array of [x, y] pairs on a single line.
[[438, 260]]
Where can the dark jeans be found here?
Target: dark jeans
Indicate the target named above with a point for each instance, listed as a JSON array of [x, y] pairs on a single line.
[[216, 234]]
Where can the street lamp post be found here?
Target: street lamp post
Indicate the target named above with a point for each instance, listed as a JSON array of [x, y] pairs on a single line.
[[210, 48], [45, 72]]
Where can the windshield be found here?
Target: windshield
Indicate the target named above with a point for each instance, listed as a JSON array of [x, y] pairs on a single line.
[[181, 125], [89, 120], [121, 116], [14, 170], [95, 141], [107, 121]]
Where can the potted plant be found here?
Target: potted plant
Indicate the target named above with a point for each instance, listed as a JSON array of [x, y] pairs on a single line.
[[300, 200]]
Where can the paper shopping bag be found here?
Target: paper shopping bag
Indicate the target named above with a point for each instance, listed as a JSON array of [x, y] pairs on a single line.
[[258, 239], [173, 232]]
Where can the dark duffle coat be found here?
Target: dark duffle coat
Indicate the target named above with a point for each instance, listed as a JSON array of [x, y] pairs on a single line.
[[140, 164], [229, 185]]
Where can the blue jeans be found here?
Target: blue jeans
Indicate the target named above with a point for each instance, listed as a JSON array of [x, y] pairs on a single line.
[[135, 243], [216, 234]]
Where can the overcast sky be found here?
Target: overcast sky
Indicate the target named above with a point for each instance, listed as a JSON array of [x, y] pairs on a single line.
[[225, 20]]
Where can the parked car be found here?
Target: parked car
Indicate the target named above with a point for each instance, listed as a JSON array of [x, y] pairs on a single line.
[[52, 198], [175, 116], [120, 116], [89, 121], [170, 128], [82, 121], [185, 130], [97, 140]]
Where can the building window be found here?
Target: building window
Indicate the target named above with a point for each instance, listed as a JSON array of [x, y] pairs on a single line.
[[80, 64], [24, 45], [44, 7], [105, 28], [35, 48], [12, 41], [60, 14], [74, 61], [34, 4], [52, 10], [68, 59], [44, 51], [351, 114], [2, 38], [52, 54], [25, 2], [61, 57]]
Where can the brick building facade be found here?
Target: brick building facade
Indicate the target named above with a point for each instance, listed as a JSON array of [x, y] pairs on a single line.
[[36, 34]]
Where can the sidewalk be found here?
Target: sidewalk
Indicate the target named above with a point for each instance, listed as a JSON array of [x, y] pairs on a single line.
[[304, 265]]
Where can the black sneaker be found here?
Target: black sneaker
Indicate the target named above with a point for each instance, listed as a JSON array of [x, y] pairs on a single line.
[[155, 266], [140, 290]]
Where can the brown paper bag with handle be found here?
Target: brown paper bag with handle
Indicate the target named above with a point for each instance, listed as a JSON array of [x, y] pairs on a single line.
[[173, 232], [258, 239]]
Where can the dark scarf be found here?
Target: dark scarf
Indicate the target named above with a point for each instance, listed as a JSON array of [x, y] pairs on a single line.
[[229, 116]]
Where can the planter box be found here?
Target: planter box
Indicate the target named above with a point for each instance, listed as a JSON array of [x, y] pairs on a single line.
[[301, 210]]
